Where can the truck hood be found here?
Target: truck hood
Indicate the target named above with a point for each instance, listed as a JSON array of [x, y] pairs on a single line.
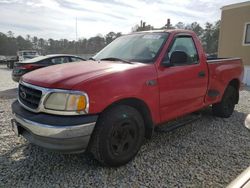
[[66, 76]]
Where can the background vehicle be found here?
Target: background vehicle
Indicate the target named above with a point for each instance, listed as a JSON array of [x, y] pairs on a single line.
[[10, 61], [26, 54], [109, 105], [2, 59], [21, 56], [20, 68]]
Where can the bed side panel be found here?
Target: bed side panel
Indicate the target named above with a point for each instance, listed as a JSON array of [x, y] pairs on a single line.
[[220, 74]]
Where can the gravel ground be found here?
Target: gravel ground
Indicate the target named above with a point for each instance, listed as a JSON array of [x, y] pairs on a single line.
[[209, 152], [6, 81]]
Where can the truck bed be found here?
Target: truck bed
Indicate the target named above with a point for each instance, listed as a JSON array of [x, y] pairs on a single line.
[[221, 72]]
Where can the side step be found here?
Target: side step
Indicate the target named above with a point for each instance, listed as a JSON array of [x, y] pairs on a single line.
[[177, 123]]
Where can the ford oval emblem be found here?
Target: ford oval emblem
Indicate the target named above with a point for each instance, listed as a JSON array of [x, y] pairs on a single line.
[[23, 95]]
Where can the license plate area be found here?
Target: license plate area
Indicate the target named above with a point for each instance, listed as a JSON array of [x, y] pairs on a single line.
[[15, 127]]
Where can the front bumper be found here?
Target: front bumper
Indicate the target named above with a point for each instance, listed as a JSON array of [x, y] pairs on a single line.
[[67, 134]]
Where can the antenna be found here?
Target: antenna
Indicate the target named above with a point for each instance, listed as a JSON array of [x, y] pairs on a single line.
[[76, 36]]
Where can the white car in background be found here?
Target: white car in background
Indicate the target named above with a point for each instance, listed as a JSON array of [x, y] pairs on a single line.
[[22, 55], [26, 54]]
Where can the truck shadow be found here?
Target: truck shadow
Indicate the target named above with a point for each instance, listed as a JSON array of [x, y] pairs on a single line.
[[210, 144]]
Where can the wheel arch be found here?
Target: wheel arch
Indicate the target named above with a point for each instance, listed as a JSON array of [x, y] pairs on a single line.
[[142, 108]]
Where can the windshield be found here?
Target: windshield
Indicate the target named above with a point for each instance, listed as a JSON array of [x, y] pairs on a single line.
[[140, 47]]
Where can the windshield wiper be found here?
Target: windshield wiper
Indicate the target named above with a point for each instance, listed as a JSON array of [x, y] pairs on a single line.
[[91, 58], [115, 59]]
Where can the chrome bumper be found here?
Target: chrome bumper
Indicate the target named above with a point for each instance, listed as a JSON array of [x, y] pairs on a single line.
[[50, 131], [67, 134]]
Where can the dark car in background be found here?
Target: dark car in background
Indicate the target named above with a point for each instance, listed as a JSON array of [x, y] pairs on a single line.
[[21, 68]]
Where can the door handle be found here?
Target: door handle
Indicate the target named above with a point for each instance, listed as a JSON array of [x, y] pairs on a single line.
[[201, 74]]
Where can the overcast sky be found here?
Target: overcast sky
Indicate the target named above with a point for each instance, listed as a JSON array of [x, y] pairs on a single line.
[[57, 18]]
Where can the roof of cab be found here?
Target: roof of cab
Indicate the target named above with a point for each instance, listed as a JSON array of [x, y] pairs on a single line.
[[166, 31]]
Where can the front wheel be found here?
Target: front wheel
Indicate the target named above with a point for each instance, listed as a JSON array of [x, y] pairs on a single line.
[[225, 108], [118, 135]]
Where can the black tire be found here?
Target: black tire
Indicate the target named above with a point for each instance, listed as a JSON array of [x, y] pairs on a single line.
[[225, 108], [118, 136]]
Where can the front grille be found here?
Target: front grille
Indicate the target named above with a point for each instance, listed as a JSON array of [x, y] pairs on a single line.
[[30, 97]]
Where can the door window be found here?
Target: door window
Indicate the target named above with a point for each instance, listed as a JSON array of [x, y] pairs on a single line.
[[184, 44]]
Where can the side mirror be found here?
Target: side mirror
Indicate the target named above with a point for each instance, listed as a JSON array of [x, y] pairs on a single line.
[[166, 62], [178, 57]]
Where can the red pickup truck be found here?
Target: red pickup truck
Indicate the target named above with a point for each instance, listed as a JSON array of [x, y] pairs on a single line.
[[111, 103]]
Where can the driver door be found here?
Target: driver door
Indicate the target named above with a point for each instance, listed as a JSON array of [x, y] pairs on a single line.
[[182, 88]]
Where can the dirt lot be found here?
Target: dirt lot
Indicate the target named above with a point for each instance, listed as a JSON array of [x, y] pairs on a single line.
[[5, 79], [8, 87], [209, 152]]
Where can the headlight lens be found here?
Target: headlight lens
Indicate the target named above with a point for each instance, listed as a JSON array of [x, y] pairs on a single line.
[[67, 102]]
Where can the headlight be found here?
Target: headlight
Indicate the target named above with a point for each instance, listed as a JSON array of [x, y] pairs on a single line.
[[67, 102]]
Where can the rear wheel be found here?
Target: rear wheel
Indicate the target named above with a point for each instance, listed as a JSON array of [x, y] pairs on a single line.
[[118, 135], [225, 108]]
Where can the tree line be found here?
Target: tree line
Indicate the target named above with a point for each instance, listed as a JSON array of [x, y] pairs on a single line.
[[209, 34], [10, 44]]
